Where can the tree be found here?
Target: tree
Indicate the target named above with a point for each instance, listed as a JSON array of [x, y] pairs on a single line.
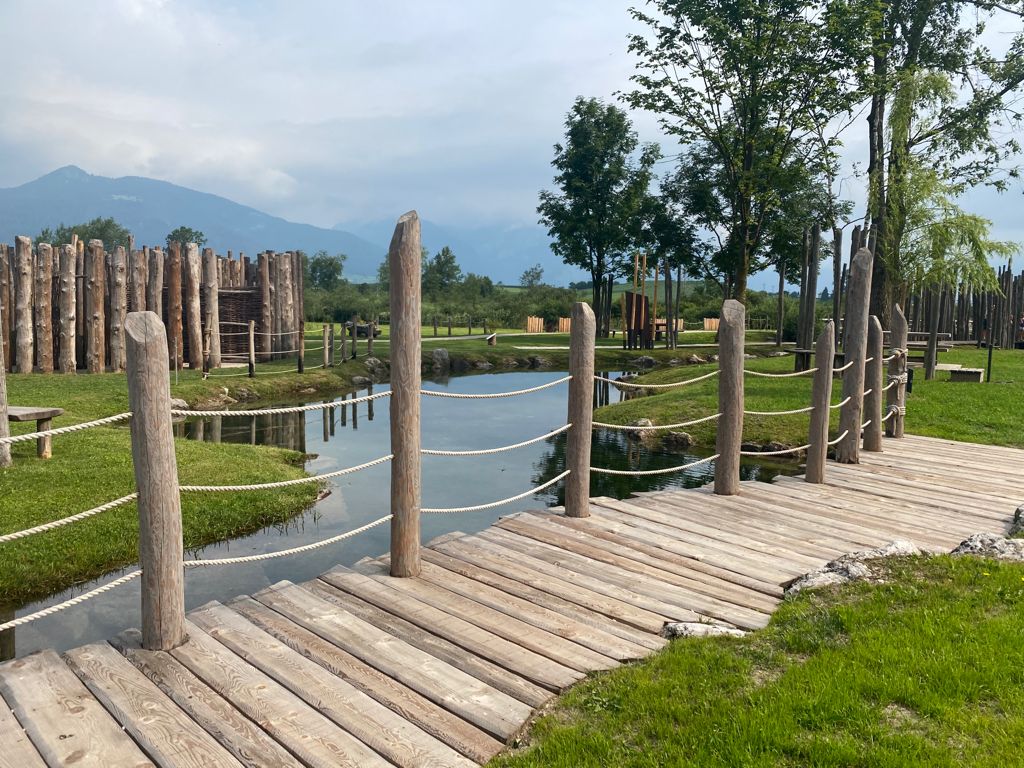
[[532, 276], [185, 235], [592, 218], [109, 231], [747, 85], [441, 273], [324, 270]]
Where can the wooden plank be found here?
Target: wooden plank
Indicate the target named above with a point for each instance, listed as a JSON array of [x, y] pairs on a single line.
[[489, 709], [31, 413], [435, 720], [168, 735], [306, 733], [16, 750], [234, 731], [533, 666], [372, 723], [63, 720], [986, 476]]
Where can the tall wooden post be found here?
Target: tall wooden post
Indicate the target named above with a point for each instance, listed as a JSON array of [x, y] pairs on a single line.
[[5, 304], [66, 311], [80, 324], [138, 270], [193, 316], [211, 295], [327, 346], [344, 343], [118, 308], [873, 387], [355, 337], [156, 480], [730, 398], [43, 290], [896, 398], [300, 356], [155, 282], [854, 350], [404, 266], [5, 427], [935, 313], [266, 303], [252, 348], [95, 284], [370, 328], [172, 276], [330, 343], [582, 333], [23, 330], [821, 399]]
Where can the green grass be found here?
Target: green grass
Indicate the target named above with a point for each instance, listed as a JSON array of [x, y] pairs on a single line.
[[924, 670]]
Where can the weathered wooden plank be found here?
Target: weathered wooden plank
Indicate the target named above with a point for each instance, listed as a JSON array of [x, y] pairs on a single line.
[[16, 750], [63, 720]]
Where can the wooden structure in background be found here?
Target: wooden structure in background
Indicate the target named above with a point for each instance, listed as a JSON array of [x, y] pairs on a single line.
[[533, 325]]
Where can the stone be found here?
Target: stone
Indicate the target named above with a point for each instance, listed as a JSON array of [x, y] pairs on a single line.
[[441, 361], [713, 359], [678, 440], [361, 381], [699, 629], [641, 434], [644, 361], [852, 566], [483, 365], [696, 360], [777, 353], [675, 361], [536, 361], [992, 545], [749, 356], [376, 366], [178, 404], [1017, 526], [509, 362]]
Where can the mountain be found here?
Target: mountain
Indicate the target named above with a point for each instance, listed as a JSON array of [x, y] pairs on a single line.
[[150, 209]]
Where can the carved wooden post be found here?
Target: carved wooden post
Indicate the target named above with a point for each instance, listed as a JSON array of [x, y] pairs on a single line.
[[404, 266], [66, 310], [156, 480], [118, 308], [856, 342], [155, 282], [821, 399], [211, 293], [252, 348], [896, 398], [730, 398], [266, 318], [327, 346], [581, 410], [193, 318], [873, 387], [43, 296], [172, 274], [23, 330], [95, 342]]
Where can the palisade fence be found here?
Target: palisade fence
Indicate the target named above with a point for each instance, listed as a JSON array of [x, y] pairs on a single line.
[[158, 491]]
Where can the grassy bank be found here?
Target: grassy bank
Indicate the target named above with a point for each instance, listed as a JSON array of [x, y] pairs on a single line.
[[922, 670]]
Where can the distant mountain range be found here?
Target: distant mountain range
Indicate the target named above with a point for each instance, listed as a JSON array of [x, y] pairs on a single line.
[[150, 209]]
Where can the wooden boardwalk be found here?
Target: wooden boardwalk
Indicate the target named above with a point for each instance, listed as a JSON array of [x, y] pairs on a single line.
[[359, 669]]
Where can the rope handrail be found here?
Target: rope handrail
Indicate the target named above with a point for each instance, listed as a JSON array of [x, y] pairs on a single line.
[[866, 423], [283, 409], [635, 428], [806, 409], [867, 391], [663, 471], [224, 375], [776, 453], [287, 483], [838, 439], [493, 504], [670, 385], [68, 520], [842, 368], [500, 449], [22, 620], [889, 386], [766, 375], [287, 552], [892, 412], [65, 430], [842, 402], [492, 395]]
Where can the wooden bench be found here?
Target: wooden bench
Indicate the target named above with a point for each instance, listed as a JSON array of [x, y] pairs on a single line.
[[43, 417], [967, 374]]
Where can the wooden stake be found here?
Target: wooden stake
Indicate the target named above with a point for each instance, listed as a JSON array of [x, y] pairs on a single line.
[[266, 304], [252, 348], [172, 275], [118, 308], [5, 305], [370, 328], [873, 385], [193, 316], [23, 330], [138, 271], [582, 333], [66, 311], [95, 289], [155, 281], [821, 399], [327, 346], [730, 398], [300, 357], [43, 297], [80, 323], [211, 296], [897, 396], [856, 336], [5, 427]]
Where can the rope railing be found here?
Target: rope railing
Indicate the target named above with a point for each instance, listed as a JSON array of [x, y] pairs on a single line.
[[639, 428], [494, 395], [286, 483], [493, 504], [781, 452], [842, 402], [500, 449], [807, 409], [65, 430], [839, 439], [22, 620], [767, 375], [646, 472], [866, 424], [283, 409], [68, 520], [842, 368], [670, 385]]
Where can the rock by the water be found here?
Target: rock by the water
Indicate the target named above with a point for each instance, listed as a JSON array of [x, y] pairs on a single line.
[[509, 362], [696, 360], [675, 361], [178, 404], [642, 434], [377, 367], [644, 361], [536, 361], [713, 358], [778, 353], [852, 566], [992, 545], [676, 439], [441, 361], [483, 365], [361, 381], [698, 629]]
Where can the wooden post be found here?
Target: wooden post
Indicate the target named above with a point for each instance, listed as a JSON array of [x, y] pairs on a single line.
[[287, 294], [896, 398], [300, 357], [932, 353], [156, 480], [404, 266], [854, 350], [66, 311], [355, 336], [95, 343], [155, 282], [23, 329], [330, 341], [873, 386], [5, 427], [266, 321], [344, 343], [172, 275], [837, 273], [193, 317], [449, 325], [327, 347], [435, 325], [211, 294], [582, 334], [138, 268], [80, 324], [370, 328], [118, 308], [5, 305], [43, 297], [252, 348], [731, 328], [821, 399]]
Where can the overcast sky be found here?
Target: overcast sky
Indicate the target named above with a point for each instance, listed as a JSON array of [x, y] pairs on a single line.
[[322, 112]]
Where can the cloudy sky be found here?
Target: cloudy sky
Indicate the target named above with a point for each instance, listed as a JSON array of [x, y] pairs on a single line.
[[321, 112]]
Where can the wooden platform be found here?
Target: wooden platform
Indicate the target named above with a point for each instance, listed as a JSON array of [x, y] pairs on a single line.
[[358, 669]]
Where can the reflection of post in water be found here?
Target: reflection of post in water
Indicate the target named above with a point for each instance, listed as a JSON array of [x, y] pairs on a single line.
[[198, 429], [301, 426], [252, 430], [331, 409], [355, 413], [215, 428], [601, 393], [324, 416], [7, 649], [369, 403], [344, 413]]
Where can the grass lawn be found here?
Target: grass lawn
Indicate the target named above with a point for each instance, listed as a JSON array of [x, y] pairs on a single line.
[[922, 670]]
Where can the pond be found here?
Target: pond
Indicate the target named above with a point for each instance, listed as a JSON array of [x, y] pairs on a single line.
[[353, 434]]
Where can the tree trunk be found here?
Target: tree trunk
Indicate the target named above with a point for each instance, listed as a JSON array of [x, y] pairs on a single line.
[[781, 311]]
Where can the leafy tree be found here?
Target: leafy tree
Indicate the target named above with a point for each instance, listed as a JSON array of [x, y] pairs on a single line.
[[532, 276], [109, 231], [185, 235], [824, 295], [593, 217], [384, 275], [324, 271], [441, 272]]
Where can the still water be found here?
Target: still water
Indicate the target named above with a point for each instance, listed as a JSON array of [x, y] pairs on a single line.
[[347, 435]]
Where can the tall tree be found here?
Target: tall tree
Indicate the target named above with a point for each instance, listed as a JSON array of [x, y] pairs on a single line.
[[441, 272], [602, 184], [532, 276], [185, 235], [324, 271], [108, 230]]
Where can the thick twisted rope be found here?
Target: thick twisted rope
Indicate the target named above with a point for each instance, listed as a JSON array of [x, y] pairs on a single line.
[[867, 391], [645, 472], [893, 410], [22, 620], [843, 367], [65, 430], [783, 452], [493, 504], [286, 409], [842, 402], [490, 395], [635, 428], [670, 385], [889, 386], [501, 449], [866, 423], [224, 375], [765, 375], [287, 483], [808, 409], [838, 439], [68, 520], [287, 552]]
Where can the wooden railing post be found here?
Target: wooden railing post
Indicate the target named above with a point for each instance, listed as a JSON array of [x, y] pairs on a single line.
[[404, 266], [327, 346], [344, 343], [873, 387], [23, 329], [821, 399], [854, 350], [330, 341], [370, 328], [355, 337], [252, 348], [156, 480], [581, 410], [300, 357], [5, 428], [730, 398], [897, 396]]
